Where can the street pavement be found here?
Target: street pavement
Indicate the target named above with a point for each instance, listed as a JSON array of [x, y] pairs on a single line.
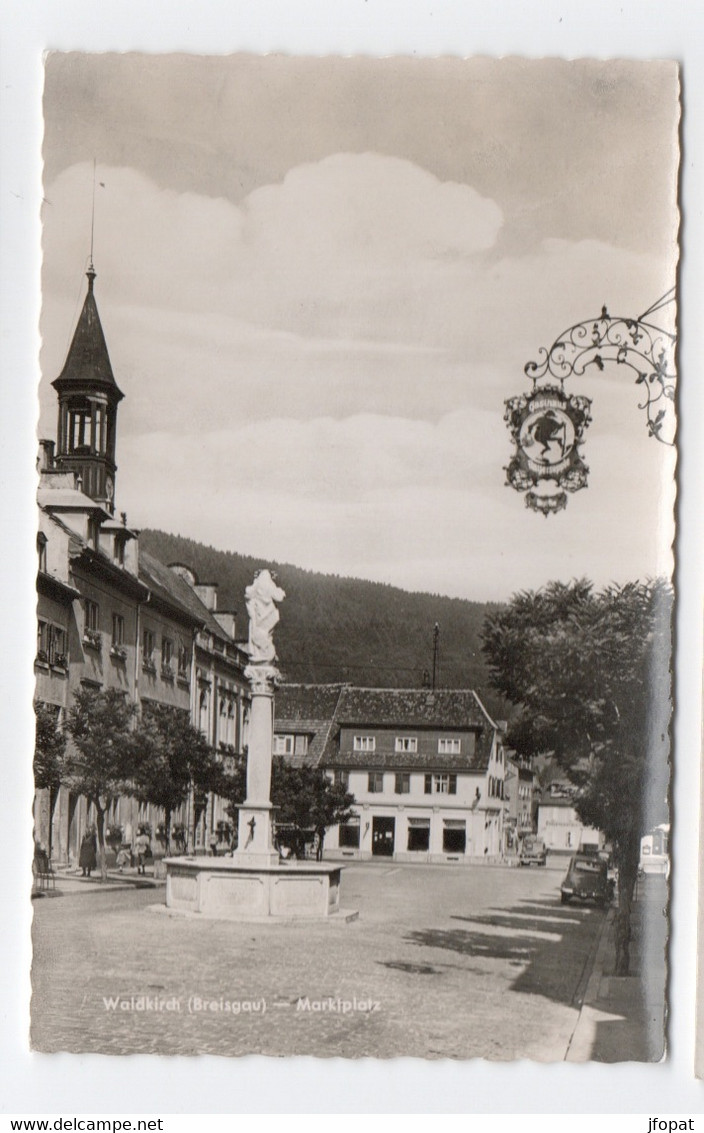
[[443, 962]]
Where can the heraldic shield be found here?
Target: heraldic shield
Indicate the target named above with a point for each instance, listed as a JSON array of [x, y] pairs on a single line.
[[547, 427]]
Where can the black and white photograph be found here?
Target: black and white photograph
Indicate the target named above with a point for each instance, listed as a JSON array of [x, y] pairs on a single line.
[[356, 488]]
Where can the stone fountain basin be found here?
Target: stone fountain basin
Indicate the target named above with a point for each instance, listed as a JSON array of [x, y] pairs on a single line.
[[229, 889]]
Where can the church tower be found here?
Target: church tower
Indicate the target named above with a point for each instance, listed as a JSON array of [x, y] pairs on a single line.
[[88, 399]]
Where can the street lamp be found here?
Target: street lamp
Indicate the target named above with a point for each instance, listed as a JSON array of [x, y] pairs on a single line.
[[547, 425]]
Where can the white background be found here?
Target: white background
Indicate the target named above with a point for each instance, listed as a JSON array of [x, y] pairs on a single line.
[[71, 1084]]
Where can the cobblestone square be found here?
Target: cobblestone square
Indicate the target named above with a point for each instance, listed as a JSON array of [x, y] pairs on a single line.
[[443, 962]]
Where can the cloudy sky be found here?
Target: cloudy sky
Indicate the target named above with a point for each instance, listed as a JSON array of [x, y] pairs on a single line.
[[319, 279]]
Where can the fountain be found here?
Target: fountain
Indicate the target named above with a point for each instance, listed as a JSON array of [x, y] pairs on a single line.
[[254, 884]]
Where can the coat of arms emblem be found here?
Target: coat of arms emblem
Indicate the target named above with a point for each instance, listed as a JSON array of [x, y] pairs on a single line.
[[547, 427]]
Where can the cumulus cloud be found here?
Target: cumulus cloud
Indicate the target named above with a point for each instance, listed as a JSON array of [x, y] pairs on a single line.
[[371, 206], [326, 228], [318, 374]]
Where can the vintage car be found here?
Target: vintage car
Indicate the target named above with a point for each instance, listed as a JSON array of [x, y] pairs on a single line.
[[533, 851], [587, 880]]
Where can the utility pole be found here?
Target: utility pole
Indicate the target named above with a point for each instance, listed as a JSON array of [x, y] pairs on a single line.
[[436, 646]]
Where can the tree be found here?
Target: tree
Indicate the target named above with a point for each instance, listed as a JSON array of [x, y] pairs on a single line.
[[100, 762], [307, 802], [173, 756], [49, 749], [590, 676]]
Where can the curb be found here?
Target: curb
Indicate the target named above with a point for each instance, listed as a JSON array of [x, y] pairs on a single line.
[[579, 1048], [342, 916], [591, 992]]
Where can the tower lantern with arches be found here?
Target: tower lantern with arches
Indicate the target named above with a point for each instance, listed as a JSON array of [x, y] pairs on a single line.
[[88, 398]]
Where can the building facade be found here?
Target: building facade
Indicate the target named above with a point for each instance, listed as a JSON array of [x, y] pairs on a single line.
[[111, 616], [562, 830], [521, 803], [427, 769]]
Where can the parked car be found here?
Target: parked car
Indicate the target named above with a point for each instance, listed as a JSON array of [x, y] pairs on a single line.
[[587, 880], [533, 851]]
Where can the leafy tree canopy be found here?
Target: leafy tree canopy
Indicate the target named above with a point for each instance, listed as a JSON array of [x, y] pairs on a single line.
[[101, 759], [307, 800], [172, 755], [590, 673]]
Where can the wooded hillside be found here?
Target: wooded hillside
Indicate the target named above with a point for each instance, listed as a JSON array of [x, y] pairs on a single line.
[[348, 629]]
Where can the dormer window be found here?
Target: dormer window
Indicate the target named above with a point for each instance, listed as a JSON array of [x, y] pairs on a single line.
[[406, 744], [364, 743], [283, 745], [291, 744]]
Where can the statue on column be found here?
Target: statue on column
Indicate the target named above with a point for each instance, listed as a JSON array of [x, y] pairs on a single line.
[[260, 599], [263, 676]]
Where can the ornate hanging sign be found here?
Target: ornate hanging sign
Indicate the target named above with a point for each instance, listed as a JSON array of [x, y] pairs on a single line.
[[547, 427]]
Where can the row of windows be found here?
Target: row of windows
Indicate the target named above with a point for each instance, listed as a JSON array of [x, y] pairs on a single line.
[[227, 707], [168, 652], [432, 784], [496, 788], [223, 723], [446, 746], [454, 836]]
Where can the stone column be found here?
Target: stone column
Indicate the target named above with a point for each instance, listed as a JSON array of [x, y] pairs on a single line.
[[254, 842]]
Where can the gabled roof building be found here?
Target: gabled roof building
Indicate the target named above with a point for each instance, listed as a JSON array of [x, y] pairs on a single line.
[[426, 768]]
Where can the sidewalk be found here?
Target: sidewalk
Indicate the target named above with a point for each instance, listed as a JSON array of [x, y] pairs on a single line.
[[627, 1013], [69, 882]]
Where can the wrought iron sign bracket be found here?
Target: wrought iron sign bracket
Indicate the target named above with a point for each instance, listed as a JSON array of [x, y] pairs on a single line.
[[547, 426]]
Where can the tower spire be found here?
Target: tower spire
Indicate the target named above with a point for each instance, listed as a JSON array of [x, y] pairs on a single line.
[[91, 270], [88, 399]]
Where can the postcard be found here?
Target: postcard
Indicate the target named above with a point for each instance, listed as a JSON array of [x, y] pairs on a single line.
[[356, 486]]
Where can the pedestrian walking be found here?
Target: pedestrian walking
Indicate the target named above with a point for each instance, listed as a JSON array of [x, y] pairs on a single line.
[[123, 858], [88, 856], [142, 847]]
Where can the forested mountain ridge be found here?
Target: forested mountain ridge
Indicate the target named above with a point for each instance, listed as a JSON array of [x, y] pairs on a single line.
[[334, 628]]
